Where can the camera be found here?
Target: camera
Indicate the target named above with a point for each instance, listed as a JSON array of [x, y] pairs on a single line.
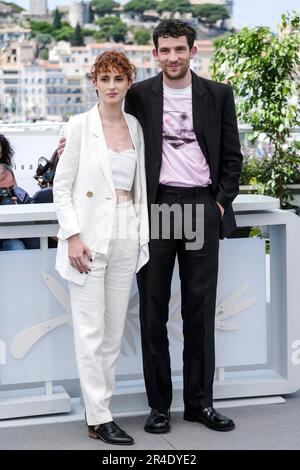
[[45, 172], [6, 195]]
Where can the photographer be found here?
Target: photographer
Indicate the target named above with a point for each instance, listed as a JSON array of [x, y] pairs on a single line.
[[45, 175], [10, 193]]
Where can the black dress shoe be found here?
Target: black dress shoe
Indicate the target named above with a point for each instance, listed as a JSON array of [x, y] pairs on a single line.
[[110, 433], [158, 422], [209, 417]]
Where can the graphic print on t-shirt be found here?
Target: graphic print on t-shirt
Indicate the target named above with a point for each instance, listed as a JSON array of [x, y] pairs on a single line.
[[178, 129]]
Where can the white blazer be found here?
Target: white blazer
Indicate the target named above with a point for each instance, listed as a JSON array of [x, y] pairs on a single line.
[[84, 193]]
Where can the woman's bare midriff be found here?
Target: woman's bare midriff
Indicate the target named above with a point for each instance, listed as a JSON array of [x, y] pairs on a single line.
[[122, 195]]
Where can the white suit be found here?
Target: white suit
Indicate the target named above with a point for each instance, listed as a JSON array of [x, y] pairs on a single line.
[[85, 201]]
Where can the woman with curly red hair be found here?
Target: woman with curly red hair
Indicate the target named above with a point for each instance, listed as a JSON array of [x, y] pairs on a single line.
[[101, 203]]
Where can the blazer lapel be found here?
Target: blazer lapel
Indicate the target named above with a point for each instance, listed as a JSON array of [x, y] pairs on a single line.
[[199, 104], [99, 146], [136, 144], [157, 113]]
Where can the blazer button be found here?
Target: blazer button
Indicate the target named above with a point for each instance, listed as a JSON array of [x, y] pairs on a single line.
[[157, 165], [90, 194]]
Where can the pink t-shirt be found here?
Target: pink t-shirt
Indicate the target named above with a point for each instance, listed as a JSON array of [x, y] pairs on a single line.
[[183, 162]]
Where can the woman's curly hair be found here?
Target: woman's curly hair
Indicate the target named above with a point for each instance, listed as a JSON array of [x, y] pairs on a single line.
[[113, 60]]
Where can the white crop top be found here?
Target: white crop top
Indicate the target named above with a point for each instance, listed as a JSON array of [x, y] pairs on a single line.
[[123, 166]]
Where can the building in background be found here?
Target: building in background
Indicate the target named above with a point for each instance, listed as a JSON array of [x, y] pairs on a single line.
[[13, 33], [79, 13], [38, 7], [55, 89]]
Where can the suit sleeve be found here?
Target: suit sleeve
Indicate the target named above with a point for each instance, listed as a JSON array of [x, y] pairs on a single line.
[[231, 157], [129, 102], [143, 209], [65, 175]]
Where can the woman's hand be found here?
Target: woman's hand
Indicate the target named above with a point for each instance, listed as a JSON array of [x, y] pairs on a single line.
[[79, 254]]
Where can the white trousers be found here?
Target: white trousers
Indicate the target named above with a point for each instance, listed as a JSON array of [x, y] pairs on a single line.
[[99, 310]]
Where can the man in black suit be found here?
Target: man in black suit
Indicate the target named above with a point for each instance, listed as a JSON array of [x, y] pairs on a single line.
[[193, 159]]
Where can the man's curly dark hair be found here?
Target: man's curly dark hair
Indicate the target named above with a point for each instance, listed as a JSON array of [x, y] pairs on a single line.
[[175, 29]]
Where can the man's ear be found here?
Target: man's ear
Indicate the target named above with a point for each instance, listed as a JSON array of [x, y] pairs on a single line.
[[155, 54], [194, 51]]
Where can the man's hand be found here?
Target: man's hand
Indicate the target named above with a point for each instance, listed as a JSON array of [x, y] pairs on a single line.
[[43, 185], [61, 145], [221, 209], [79, 254]]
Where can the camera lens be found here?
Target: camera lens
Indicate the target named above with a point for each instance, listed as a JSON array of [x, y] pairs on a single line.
[[48, 176], [6, 195]]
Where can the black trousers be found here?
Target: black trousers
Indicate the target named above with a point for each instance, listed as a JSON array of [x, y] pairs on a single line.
[[198, 269]]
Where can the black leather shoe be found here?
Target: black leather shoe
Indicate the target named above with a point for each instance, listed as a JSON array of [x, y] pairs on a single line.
[[158, 422], [110, 433], [209, 417]]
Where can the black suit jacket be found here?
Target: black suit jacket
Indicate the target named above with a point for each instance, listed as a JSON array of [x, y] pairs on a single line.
[[215, 127]]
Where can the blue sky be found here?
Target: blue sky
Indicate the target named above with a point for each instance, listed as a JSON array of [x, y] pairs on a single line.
[[246, 12]]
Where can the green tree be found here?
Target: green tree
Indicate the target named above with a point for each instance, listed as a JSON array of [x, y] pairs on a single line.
[[173, 6], [42, 41], [88, 32], [102, 7], [139, 6], [77, 38], [66, 33], [40, 27], [44, 54], [111, 28], [141, 36], [209, 13], [98, 37], [57, 16], [264, 71]]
